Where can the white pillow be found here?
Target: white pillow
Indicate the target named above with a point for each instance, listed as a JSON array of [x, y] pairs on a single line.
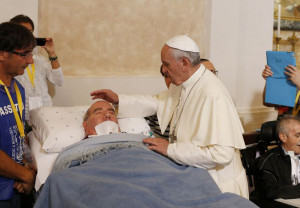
[[59, 127], [134, 125]]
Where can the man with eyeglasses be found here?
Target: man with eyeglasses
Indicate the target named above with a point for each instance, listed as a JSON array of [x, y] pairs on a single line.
[[16, 45]]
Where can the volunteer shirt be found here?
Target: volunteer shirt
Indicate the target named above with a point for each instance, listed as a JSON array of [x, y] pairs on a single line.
[[10, 140], [43, 72]]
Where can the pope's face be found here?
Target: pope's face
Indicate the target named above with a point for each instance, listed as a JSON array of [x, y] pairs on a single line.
[[292, 140], [99, 112], [171, 66], [168, 81]]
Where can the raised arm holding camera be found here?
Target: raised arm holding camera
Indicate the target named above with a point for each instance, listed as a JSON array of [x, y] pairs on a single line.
[[34, 80]]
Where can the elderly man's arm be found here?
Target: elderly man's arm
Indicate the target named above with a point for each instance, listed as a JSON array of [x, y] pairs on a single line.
[[129, 105], [190, 154], [205, 157], [105, 94]]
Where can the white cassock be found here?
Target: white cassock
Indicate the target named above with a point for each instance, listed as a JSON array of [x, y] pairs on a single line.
[[208, 129]]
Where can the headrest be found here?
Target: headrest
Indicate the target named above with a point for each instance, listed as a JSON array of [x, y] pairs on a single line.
[[268, 131]]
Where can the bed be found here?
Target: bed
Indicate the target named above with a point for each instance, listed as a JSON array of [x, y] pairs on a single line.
[[55, 128], [115, 170]]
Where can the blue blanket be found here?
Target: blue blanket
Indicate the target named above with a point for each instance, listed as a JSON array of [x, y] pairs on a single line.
[[119, 171]]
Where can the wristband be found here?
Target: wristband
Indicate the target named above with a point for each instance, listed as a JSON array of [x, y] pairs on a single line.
[[52, 58]]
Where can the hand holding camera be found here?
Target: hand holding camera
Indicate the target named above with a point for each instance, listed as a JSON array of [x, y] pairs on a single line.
[[47, 44], [40, 41]]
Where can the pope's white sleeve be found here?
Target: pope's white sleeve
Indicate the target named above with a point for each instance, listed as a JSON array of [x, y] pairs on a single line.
[[133, 106], [205, 157]]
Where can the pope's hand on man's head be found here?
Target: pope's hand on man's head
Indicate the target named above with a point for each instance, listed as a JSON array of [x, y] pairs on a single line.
[[107, 95], [158, 145]]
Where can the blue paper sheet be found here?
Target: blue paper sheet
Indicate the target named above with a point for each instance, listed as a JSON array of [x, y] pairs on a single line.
[[280, 90]]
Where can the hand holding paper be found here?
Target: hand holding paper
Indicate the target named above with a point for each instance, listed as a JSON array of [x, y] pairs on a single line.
[[294, 75], [267, 72], [279, 87]]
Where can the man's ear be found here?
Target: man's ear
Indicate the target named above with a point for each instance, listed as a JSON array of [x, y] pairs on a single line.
[[84, 125], [186, 63], [283, 137], [2, 58]]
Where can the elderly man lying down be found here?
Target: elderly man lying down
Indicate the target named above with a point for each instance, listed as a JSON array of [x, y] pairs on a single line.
[[116, 169]]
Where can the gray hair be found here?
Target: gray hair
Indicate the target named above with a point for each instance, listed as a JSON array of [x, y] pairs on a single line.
[[282, 124], [87, 113], [193, 57]]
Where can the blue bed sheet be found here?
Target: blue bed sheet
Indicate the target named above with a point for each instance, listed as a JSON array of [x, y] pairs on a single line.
[[112, 172]]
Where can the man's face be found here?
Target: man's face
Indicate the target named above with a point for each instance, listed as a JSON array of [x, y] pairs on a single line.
[[99, 112], [292, 141], [171, 66], [208, 65], [14, 63], [166, 77], [168, 81], [28, 26]]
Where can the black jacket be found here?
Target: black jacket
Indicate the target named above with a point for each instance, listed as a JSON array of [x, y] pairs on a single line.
[[272, 176]]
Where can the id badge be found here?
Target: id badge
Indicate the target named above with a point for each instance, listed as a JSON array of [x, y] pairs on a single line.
[[35, 102]]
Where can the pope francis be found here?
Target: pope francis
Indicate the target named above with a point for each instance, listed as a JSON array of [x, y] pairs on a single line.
[[205, 130]]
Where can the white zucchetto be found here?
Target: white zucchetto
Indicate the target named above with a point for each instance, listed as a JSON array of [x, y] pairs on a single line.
[[184, 43]]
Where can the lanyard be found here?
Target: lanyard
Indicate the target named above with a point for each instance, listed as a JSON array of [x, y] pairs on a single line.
[[296, 109], [20, 103], [31, 74]]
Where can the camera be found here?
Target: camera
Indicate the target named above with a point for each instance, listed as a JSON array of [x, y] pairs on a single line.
[[40, 41]]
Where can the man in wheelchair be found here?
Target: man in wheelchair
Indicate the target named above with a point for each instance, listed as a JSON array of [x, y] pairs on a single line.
[[277, 171]]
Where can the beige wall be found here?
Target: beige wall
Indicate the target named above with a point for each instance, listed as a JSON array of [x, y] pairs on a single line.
[[118, 37], [286, 43], [116, 44], [11, 8]]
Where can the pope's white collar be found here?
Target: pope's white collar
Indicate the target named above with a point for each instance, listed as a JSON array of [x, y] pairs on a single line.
[[194, 77]]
